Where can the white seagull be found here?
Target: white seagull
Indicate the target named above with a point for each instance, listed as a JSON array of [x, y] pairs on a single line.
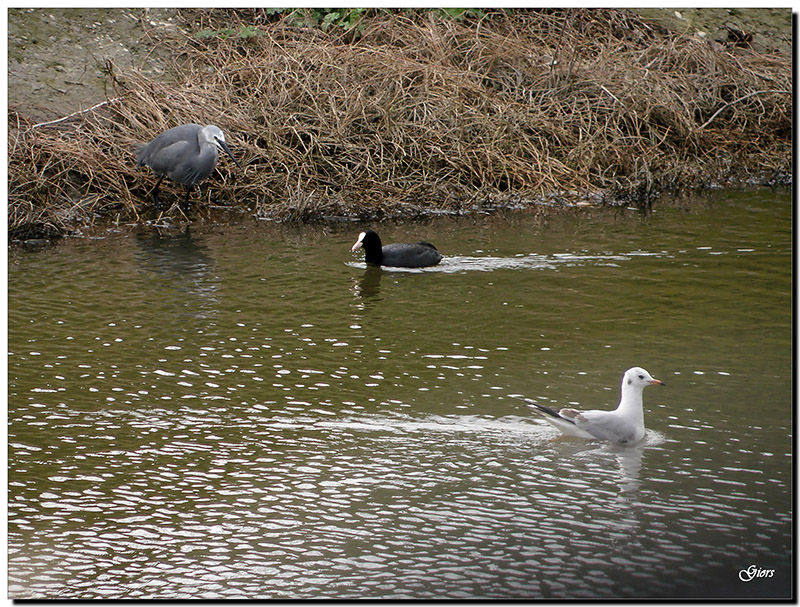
[[624, 425]]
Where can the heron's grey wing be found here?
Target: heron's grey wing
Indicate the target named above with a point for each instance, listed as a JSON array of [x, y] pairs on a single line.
[[157, 150], [606, 426], [170, 159], [183, 162]]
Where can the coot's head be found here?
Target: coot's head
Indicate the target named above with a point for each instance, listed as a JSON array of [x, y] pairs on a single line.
[[371, 243], [369, 240]]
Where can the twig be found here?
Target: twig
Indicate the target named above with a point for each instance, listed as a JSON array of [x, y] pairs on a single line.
[[612, 95], [94, 107], [730, 103]]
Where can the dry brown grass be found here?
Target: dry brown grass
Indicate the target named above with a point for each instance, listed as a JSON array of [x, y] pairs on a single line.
[[419, 113]]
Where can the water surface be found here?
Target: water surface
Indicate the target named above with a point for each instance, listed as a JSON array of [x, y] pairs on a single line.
[[250, 412]]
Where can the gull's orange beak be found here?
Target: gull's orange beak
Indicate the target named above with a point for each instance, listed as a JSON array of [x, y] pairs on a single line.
[[657, 382]]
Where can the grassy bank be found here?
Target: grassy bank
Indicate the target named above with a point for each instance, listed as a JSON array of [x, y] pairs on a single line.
[[412, 112]]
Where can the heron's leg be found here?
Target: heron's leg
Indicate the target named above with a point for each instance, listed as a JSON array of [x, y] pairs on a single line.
[[155, 193], [185, 206]]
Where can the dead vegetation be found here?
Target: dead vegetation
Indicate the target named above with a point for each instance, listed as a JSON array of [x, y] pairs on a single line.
[[419, 113]]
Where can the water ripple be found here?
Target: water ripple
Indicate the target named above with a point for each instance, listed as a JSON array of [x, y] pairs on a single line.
[[190, 419], [529, 261], [448, 496]]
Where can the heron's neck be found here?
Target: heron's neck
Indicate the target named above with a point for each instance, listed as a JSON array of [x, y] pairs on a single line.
[[210, 151]]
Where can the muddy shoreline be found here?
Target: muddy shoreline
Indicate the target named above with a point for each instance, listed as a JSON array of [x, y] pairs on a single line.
[[145, 68]]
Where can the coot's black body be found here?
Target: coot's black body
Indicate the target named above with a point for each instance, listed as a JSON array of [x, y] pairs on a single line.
[[418, 255]]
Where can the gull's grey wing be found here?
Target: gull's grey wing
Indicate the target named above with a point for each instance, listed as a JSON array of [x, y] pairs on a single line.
[[607, 426]]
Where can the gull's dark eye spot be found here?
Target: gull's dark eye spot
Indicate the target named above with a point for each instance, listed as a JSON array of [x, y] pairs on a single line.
[[641, 376]]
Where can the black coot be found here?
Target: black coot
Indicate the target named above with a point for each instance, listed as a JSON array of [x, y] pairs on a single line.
[[417, 255]]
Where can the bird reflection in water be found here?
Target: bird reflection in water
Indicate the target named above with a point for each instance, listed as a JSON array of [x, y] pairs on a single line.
[[369, 285], [182, 269]]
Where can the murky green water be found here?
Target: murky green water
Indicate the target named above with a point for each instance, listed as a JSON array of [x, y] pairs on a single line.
[[247, 413]]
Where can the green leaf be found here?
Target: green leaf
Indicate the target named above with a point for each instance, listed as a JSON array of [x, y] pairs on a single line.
[[328, 20], [249, 32], [455, 13]]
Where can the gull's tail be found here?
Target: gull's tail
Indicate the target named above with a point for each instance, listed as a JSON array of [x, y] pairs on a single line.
[[542, 408], [566, 425]]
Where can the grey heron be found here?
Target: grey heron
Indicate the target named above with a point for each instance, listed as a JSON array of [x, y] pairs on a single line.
[[187, 154]]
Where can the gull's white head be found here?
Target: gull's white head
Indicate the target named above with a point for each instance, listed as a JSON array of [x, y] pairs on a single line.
[[636, 377]]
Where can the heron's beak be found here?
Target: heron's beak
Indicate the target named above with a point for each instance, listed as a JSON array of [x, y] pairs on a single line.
[[657, 382], [224, 147]]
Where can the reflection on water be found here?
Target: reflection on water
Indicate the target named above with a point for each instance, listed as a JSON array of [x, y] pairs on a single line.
[[194, 420], [180, 269], [368, 285]]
